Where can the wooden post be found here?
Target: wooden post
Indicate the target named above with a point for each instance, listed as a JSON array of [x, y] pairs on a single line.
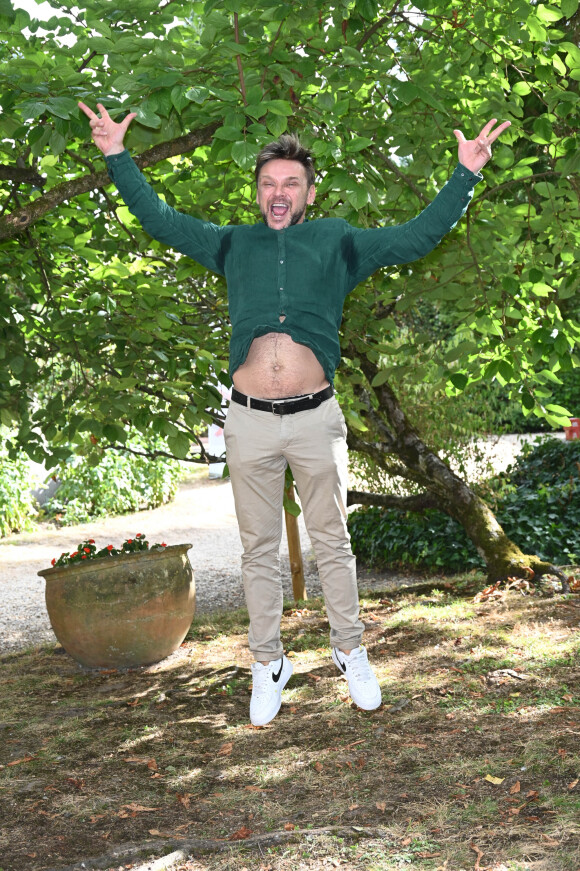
[[294, 550]]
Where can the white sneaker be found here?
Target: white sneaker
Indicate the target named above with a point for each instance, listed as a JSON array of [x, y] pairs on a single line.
[[362, 684], [268, 681]]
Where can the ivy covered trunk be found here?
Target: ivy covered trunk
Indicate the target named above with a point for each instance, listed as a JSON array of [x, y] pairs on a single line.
[[398, 449]]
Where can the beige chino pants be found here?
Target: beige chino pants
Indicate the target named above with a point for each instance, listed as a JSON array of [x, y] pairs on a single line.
[[259, 446]]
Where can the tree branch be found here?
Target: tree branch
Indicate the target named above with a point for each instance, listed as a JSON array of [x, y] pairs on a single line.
[[239, 60], [154, 454], [21, 174], [408, 181], [418, 502], [185, 849], [488, 193], [371, 31], [20, 219]]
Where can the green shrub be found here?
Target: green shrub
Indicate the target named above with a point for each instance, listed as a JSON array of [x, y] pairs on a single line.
[[431, 540], [546, 461], [505, 415], [121, 483], [18, 508], [536, 500]]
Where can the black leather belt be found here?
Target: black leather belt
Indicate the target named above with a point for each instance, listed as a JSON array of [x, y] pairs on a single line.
[[284, 406]]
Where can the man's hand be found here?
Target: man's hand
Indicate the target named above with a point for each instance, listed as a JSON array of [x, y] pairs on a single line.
[[107, 134], [474, 153]]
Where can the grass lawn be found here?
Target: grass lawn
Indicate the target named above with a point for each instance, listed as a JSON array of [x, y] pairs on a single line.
[[472, 762]]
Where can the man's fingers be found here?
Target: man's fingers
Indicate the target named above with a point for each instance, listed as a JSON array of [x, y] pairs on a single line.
[[104, 114], [127, 120], [487, 128], [459, 135], [491, 135], [498, 131], [88, 112]]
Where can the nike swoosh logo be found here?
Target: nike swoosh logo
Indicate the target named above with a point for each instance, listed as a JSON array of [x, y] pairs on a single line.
[[276, 677], [342, 664]]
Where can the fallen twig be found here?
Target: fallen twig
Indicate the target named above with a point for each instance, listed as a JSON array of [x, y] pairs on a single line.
[[182, 849], [477, 866]]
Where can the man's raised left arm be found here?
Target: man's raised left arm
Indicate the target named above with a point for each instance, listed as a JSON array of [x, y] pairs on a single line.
[[403, 243]]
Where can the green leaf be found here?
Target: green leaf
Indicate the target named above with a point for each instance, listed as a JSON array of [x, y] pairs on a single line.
[[558, 409], [380, 378], [277, 124], [367, 8], [147, 117], [57, 143], [352, 56], [528, 401], [279, 107], [543, 129], [291, 507], [459, 380], [569, 7], [245, 154], [548, 375], [179, 445], [358, 198], [406, 91], [230, 134], [358, 143], [549, 14], [541, 289], [354, 420], [198, 94], [63, 107], [506, 370], [536, 30], [33, 109], [566, 291]]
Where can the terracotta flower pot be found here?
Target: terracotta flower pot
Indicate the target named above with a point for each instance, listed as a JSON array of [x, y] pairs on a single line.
[[122, 611]]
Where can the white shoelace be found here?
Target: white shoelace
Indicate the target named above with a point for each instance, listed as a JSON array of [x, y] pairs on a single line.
[[359, 665], [261, 684]]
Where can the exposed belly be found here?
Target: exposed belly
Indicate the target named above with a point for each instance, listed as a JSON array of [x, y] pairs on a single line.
[[276, 367]]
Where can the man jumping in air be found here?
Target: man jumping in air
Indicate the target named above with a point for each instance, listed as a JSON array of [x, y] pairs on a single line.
[[287, 280]]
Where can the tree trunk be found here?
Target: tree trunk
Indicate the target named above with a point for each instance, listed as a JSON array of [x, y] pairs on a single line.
[[442, 488]]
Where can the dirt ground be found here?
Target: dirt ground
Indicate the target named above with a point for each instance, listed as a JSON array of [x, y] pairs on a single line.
[[472, 761]]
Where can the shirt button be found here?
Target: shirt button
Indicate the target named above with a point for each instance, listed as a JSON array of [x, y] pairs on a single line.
[[281, 261]]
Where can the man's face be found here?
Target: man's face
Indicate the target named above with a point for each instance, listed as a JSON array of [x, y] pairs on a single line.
[[283, 193]]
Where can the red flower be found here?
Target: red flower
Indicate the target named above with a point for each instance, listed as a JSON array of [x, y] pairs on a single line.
[[83, 556], [163, 544], [87, 549], [76, 553], [140, 535], [109, 547], [129, 541], [52, 562], [91, 540]]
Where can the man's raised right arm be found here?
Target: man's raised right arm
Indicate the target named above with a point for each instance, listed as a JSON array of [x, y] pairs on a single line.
[[199, 240]]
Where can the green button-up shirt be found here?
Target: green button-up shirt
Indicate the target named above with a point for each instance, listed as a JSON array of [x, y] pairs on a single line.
[[303, 272]]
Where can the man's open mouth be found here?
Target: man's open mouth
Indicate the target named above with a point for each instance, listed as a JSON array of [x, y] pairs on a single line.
[[279, 209]]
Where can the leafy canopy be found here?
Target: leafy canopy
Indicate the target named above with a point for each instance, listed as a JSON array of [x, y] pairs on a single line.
[[104, 332]]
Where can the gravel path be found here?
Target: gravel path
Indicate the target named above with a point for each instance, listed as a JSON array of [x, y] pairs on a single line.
[[202, 514]]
